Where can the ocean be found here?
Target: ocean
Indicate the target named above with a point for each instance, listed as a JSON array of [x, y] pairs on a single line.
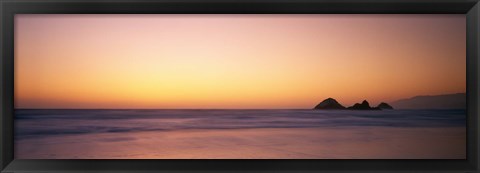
[[36, 128]]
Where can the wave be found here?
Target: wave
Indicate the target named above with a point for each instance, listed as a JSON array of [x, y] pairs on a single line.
[[45, 122]]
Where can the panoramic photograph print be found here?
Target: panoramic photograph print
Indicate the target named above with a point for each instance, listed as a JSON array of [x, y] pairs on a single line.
[[240, 86]]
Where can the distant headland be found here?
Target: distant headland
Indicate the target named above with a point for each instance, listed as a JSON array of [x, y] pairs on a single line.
[[331, 103], [444, 101]]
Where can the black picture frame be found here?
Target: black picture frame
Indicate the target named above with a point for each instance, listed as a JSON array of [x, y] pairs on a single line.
[[9, 8]]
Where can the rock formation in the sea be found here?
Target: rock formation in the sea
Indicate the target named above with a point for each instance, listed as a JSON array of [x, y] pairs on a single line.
[[362, 106], [329, 103], [446, 101], [384, 105]]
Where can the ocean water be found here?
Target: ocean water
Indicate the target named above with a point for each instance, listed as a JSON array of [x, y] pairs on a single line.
[[42, 123]]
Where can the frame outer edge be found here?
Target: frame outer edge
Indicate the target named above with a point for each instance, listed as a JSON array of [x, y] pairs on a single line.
[[2, 165], [6, 67], [476, 43], [473, 73], [6, 81], [477, 58]]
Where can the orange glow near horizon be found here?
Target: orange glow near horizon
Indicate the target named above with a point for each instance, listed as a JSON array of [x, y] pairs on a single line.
[[170, 61]]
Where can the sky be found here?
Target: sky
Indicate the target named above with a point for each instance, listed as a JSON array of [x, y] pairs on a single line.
[[256, 61]]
